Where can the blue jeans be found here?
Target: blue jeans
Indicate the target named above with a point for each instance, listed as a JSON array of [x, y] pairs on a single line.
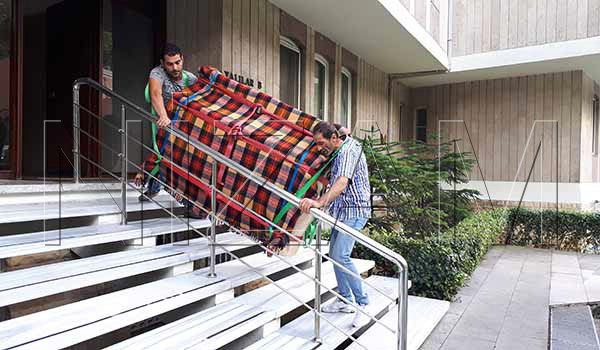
[[340, 249]]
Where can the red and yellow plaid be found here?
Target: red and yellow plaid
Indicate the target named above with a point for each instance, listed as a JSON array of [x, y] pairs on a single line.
[[265, 135]]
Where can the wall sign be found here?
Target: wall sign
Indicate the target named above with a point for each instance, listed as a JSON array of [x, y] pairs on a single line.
[[244, 80]]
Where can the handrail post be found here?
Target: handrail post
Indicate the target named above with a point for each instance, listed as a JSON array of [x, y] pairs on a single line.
[[123, 166], [213, 220], [401, 332], [318, 263], [76, 158]]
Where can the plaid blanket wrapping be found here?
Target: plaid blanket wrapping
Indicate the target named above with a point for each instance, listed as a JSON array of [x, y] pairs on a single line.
[[253, 129]]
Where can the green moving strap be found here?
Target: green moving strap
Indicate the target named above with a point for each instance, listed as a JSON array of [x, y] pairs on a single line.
[[311, 229], [186, 81]]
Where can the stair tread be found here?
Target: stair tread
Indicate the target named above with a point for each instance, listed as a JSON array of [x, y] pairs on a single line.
[[299, 333], [36, 282], [41, 242], [423, 316], [93, 317], [16, 213], [270, 300]]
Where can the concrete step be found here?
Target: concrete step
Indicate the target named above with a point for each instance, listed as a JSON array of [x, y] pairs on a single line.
[[423, 316], [37, 282], [238, 327], [572, 327], [299, 334], [136, 232], [117, 314]]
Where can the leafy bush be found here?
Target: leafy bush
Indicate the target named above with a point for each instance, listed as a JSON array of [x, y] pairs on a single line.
[[566, 230], [408, 178], [439, 266]]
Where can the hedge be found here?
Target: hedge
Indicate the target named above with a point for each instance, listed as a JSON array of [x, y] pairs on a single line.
[[439, 266], [566, 230]]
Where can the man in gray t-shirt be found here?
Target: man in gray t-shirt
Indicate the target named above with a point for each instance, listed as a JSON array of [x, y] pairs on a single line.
[[163, 81], [166, 79]]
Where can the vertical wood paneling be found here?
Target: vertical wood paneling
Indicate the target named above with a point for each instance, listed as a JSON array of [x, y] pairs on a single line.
[[556, 117], [513, 23], [504, 13], [491, 129], [467, 117], [561, 19], [586, 129], [513, 128], [547, 140], [495, 26], [575, 126], [593, 17], [538, 129], [488, 25], [522, 13], [582, 18], [269, 59], [531, 21], [236, 36], [254, 48], [478, 26], [227, 35], [482, 129], [474, 127], [505, 122], [565, 134], [551, 21], [262, 40], [523, 129], [275, 46], [531, 145], [245, 31], [470, 20], [498, 128], [572, 13], [541, 21]]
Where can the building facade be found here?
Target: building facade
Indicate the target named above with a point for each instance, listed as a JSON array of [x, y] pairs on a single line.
[[503, 77]]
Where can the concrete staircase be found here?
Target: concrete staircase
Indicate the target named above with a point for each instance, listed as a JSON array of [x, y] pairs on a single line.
[[73, 277]]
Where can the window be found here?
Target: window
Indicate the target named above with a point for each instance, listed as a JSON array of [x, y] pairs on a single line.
[[289, 72], [321, 88], [421, 125], [596, 122], [5, 34], [346, 100]]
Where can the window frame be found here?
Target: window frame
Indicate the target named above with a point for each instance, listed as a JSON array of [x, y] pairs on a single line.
[[346, 72], [322, 60], [417, 127], [290, 44]]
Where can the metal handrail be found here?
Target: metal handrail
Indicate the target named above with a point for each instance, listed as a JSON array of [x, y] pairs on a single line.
[[321, 216]]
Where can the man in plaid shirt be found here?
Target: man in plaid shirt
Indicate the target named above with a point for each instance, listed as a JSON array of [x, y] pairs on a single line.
[[348, 201]]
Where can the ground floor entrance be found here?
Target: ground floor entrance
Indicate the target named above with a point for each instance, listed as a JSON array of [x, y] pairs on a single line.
[[44, 46]]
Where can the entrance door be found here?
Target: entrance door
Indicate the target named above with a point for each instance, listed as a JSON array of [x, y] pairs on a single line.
[[73, 51]]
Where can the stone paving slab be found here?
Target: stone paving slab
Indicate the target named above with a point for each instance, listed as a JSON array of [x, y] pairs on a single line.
[[506, 303]]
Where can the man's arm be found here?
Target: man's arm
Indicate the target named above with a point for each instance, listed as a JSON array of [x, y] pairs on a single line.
[[157, 102], [338, 187]]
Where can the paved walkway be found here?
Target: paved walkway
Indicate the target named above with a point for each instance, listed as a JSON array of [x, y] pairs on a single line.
[[505, 305]]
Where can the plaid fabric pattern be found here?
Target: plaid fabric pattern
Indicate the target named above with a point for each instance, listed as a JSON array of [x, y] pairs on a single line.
[[253, 129]]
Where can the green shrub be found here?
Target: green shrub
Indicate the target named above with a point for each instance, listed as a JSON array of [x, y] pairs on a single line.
[[566, 230], [439, 266], [408, 178]]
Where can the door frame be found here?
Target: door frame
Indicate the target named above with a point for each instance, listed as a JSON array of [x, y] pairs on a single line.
[[15, 105]]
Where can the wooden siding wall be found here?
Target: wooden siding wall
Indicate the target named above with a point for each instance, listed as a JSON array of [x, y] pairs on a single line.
[[250, 41], [500, 115], [372, 99], [587, 162], [489, 25], [197, 30], [432, 15]]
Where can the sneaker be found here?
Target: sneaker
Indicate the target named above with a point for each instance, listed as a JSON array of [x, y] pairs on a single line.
[[146, 196], [360, 319], [338, 306]]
